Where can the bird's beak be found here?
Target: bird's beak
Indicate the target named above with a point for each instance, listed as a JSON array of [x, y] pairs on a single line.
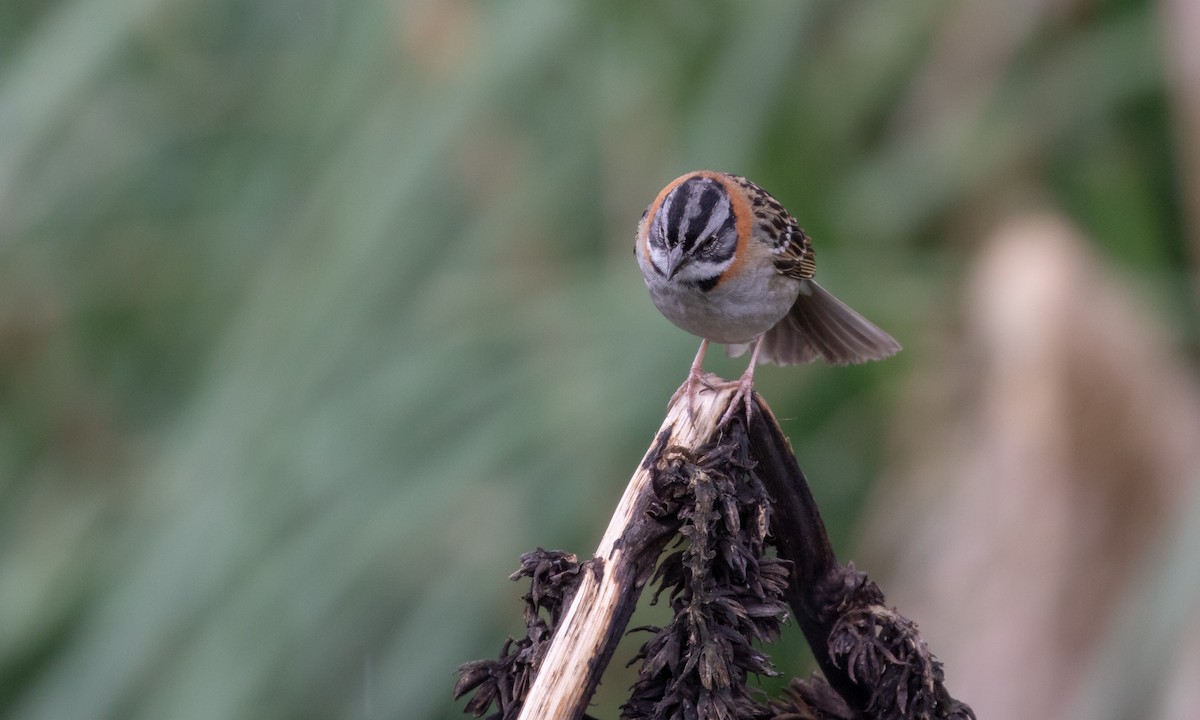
[[674, 260]]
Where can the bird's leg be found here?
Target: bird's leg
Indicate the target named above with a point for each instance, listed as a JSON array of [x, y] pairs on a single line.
[[695, 378], [745, 387]]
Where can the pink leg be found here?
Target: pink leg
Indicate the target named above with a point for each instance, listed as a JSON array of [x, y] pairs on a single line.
[[745, 387], [695, 379]]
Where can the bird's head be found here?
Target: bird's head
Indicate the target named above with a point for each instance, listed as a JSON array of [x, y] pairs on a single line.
[[693, 234]]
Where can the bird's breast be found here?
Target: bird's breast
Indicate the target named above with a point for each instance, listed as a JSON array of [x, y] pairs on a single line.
[[734, 311]]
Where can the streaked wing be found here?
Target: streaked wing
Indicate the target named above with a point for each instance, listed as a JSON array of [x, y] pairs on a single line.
[[793, 250]]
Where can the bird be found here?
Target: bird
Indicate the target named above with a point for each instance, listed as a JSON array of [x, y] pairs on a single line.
[[725, 261]]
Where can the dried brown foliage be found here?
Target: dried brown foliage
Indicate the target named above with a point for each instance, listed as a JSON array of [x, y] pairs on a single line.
[[750, 546]]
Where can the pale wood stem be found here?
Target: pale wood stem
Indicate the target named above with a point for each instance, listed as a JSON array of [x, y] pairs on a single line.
[[608, 591]]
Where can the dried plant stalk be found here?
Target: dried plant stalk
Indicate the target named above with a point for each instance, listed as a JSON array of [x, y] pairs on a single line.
[[609, 588], [729, 492]]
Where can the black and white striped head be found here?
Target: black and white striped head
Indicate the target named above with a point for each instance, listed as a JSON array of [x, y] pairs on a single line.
[[692, 234]]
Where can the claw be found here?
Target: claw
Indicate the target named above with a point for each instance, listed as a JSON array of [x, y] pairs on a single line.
[[745, 390], [743, 396], [695, 379]]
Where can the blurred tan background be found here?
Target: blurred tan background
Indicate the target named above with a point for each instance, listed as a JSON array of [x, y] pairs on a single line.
[[314, 316]]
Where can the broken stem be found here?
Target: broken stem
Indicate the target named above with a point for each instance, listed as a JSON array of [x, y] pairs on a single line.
[[612, 581], [722, 487]]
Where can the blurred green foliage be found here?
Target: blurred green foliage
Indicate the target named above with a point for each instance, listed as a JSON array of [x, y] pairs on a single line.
[[315, 315]]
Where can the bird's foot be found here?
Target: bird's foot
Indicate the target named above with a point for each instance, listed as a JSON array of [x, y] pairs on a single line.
[[744, 395], [745, 389], [697, 381]]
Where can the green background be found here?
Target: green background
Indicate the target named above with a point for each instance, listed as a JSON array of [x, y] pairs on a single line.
[[315, 315]]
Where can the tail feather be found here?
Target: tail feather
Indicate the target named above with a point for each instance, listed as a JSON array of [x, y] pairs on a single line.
[[821, 326]]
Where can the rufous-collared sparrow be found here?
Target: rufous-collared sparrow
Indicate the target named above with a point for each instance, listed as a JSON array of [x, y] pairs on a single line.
[[725, 261]]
